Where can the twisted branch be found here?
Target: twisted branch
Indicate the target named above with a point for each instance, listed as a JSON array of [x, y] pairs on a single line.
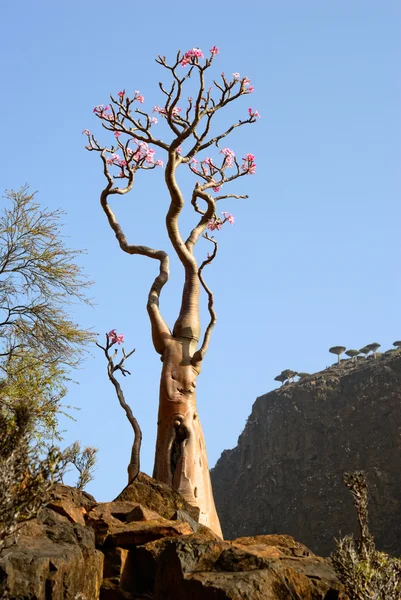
[[200, 353], [134, 465]]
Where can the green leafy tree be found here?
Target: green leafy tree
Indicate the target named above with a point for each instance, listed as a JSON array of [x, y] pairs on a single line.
[[83, 460], [39, 280], [27, 471]]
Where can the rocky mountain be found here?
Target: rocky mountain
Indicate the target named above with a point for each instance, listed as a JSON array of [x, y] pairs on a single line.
[[285, 474]]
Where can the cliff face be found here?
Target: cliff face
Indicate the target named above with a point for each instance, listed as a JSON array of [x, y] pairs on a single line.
[[285, 475]]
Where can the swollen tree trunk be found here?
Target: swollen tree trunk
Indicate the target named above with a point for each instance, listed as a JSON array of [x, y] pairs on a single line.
[[181, 459]]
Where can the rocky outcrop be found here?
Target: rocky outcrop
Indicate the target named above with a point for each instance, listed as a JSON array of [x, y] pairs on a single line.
[[285, 474], [55, 557], [78, 549]]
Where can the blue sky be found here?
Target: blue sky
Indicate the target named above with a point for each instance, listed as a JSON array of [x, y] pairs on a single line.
[[313, 259]]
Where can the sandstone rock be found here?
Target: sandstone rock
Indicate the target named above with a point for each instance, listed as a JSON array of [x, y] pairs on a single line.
[[156, 496], [70, 502], [141, 532], [154, 557], [140, 513], [220, 570], [54, 559], [106, 515]]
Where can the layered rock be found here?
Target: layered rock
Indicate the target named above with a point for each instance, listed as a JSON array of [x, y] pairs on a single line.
[[77, 549], [285, 474]]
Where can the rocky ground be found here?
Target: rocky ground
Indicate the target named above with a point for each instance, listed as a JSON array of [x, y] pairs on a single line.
[[147, 543]]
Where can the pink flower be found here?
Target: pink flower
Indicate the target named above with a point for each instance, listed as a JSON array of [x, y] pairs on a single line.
[[214, 224], [159, 163], [228, 217], [86, 132], [253, 113], [159, 109], [121, 94], [247, 81], [251, 89], [153, 120], [229, 157], [249, 165], [139, 97], [217, 188], [100, 108], [214, 50], [191, 55], [114, 338], [117, 134], [162, 111], [236, 76], [179, 149]]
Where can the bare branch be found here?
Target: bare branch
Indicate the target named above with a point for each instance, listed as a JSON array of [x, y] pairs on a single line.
[[200, 354], [134, 465]]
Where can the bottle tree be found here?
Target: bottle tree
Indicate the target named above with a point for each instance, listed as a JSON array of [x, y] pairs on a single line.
[[180, 458]]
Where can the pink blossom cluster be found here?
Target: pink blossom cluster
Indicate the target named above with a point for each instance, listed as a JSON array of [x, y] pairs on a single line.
[[101, 108], [229, 157], [138, 96], [216, 223], [246, 82], [143, 152], [208, 168], [249, 165], [228, 217], [253, 113], [162, 111], [191, 55], [114, 159], [115, 338], [214, 50], [86, 132]]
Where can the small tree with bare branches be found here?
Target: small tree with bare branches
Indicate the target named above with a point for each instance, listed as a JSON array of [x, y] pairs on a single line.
[[113, 367], [180, 459]]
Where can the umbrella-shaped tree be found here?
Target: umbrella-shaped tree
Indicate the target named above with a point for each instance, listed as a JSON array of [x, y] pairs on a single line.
[[353, 353], [337, 350], [373, 348], [281, 378], [180, 459]]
